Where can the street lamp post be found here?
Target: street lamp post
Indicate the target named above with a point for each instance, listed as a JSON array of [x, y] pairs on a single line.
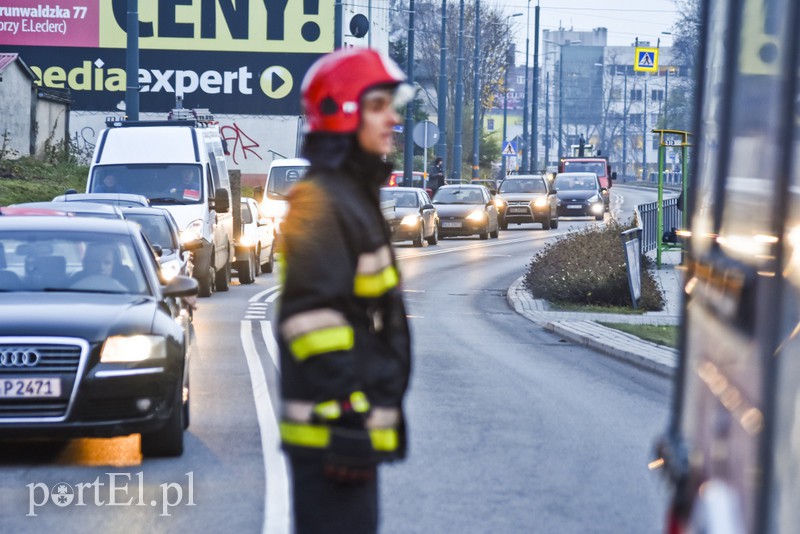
[[547, 120], [625, 126], [408, 147], [524, 146], [560, 101], [457, 145], [509, 59], [476, 97], [534, 144], [441, 146]]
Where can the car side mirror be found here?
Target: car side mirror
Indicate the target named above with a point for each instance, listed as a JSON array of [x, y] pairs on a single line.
[[157, 250], [553, 190], [263, 221], [194, 244], [427, 206], [222, 203], [614, 175], [180, 286], [258, 193], [604, 190]]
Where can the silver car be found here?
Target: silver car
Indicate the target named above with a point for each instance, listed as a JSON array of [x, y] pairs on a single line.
[[415, 218]]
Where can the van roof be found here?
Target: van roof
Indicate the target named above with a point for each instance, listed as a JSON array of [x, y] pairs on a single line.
[[164, 144], [289, 162]]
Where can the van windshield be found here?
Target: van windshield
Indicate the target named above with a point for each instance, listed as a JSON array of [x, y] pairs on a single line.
[[281, 179], [161, 184]]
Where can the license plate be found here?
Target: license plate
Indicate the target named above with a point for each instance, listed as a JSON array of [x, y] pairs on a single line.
[[518, 210], [574, 206], [14, 388], [451, 225]]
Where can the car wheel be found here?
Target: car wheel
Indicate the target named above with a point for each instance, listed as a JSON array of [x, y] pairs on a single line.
[[245, 269], [554, 223], [205, 284], [496, 233], [270, 263], [186, 407], [223, 277], [598, 217], [485, 233], [546, 224], [504, 225], [420, 236], [434, 238], [167, 440]]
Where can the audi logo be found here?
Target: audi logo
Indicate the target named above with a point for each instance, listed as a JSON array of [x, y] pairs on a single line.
[[19, 358]]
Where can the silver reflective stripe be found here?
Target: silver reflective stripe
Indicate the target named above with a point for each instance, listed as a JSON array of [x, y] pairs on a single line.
[[379, 417], [311, 321], [374, 262]]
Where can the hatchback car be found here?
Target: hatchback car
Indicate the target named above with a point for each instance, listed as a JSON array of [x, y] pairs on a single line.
[[529, 199], [162, 231], [254, 250], [579, 195], [89, 345], [466, 209], [414, 218]]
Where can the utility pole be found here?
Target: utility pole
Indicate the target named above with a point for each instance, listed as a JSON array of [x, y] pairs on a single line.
[[535, 114], [525, 145], [560, 102], [456, 176], [644, 133], [408, 129], [338, 18], [476, 94], [441, 146], [546, 119], [132, 62], [625, 127], [510, 60]]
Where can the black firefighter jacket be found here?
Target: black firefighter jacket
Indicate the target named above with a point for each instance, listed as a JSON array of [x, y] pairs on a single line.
[[342, 327]]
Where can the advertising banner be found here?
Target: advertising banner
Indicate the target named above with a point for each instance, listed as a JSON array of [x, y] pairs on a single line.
[[231, 56]]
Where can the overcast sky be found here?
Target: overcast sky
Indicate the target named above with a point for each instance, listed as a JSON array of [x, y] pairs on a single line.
[[625, 19]]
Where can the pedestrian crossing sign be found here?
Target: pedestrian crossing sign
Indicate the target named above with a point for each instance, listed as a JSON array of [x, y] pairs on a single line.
[[508, 149], [646, 60]]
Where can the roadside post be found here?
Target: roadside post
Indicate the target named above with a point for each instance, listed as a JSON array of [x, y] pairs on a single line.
[[632, 247], [674, 139]]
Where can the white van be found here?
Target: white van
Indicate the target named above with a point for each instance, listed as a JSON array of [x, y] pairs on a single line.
[[179, 165], [282, 175]]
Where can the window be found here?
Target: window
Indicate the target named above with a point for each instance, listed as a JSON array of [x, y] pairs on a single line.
[[636, 95], [490, 125], [657, 95]]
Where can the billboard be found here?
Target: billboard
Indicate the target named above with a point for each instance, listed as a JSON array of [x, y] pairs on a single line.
[[232, 56]]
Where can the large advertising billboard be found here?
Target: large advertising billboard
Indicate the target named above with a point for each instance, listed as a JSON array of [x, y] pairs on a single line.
[[231, 56]]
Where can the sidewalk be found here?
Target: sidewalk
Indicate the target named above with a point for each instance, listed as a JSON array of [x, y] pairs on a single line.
[[583, 328]]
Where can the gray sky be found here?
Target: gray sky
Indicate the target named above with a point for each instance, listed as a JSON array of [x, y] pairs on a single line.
[[625, 19]]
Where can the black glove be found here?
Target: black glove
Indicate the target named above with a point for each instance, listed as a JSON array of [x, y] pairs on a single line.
[[350, 457]]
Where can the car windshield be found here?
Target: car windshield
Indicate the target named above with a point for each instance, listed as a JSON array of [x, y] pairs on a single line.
[[281, 179], [162, 184], [597, 167], [575, 183], [458, 195], [156, 228], [402, 199], [523, 186], [51, 261]]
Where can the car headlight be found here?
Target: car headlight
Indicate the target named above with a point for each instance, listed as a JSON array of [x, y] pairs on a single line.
[[540, 202], [170, 269], [137, 348], [477, 215], [192, 232], [245, 241], [499, 202], [410, 220]]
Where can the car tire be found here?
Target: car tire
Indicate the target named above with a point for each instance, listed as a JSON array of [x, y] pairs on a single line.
[[546, 224], [504, 225], [418, 240], [223, 277], [554, 223], [496, 233], [434, 238], [167, 440], [205, 284], [269, 265], [485, 234], [599, 217], [246, 269]]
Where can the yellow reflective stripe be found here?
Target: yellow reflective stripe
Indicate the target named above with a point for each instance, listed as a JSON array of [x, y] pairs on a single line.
[[384, 439], [305, 435], [310, 321], [359, 402], [375, 285], [322, 341], [328, 410]]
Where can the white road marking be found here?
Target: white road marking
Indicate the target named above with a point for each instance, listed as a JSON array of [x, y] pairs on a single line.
[[476, 245], [260, 294], [272, 345], [276, 476]]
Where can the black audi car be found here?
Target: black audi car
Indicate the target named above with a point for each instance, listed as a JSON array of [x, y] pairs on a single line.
[[89, 343]]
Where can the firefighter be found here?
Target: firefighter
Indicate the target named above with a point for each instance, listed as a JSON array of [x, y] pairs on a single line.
[[342, 327]]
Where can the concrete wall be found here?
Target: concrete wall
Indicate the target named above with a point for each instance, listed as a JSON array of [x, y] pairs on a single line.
[[51, 123], [16, 94], [253, 141]]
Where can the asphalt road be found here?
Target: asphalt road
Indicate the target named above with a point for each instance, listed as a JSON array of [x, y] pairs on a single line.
[[511, 429]]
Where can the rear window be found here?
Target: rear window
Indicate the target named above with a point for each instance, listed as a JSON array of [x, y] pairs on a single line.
[[281, 179]]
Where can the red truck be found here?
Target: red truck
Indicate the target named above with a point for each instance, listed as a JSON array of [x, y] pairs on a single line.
[[596, 164]]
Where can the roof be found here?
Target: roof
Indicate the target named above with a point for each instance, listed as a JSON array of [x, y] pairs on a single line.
[[67, 224], [7, 59], [290, 162]]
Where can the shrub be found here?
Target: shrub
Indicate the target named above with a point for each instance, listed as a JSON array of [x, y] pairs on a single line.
[[588, 267]]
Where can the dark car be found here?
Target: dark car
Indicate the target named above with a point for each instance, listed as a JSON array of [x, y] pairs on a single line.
[[466, 209], [88, 344], [164, 235], [529, 198], [115, 199], [579, 195], [415, 218], [77, 209]]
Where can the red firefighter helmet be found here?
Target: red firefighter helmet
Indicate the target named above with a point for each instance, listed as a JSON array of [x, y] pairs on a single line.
[[334, 84]]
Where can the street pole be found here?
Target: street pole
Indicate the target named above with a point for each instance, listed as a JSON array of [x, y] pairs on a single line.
[[338, 31], [441, 146], [132, 62], [560, 101], [456, 176], [408, 129], [524, 147], [645, 177], [535, 114], [546, 119], [666, 101], [625, 127], [476, 94], [509, 62]]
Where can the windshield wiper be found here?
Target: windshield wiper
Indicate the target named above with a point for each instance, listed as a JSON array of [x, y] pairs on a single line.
[[167, 200]]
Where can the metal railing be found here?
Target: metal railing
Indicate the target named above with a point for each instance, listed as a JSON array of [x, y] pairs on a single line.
[[647, 217]]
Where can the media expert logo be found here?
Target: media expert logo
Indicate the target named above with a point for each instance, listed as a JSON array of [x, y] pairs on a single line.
[[276, 82], [63, 494]]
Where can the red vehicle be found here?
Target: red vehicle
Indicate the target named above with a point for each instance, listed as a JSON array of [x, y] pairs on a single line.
[[596, 164]]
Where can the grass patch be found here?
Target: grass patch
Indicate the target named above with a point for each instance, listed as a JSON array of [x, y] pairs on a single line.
[[29, 179], [593, 308], [662, 335]]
